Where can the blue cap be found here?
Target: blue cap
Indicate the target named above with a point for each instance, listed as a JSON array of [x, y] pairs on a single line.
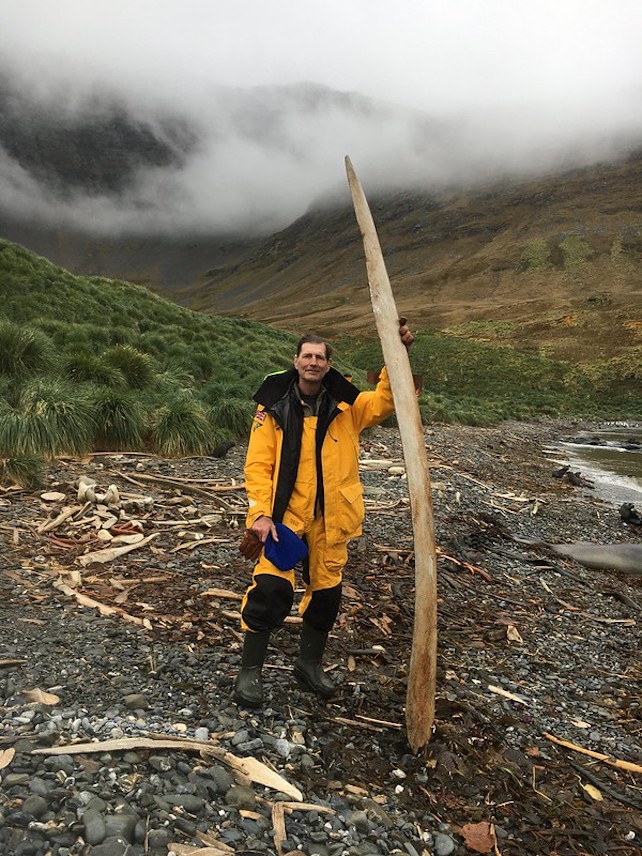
[[287, 551]]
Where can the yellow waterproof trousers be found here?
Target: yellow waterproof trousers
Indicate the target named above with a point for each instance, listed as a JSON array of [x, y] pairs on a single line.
[[269, 599]]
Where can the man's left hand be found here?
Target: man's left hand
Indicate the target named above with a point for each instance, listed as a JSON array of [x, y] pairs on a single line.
[[404, 332]]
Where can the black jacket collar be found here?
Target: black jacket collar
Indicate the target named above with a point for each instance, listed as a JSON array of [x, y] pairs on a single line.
[[276, 385]]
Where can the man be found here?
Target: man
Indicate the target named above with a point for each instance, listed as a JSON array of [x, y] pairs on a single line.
[[302, 470]]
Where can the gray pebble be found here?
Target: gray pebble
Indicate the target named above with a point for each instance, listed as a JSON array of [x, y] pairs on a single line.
[[251, 746], [35, 805], [113, 847], [121, 826], [444, 845], [161, 763], [360, 820], [136, 701], [221, 778], [95, 829], [241, 736], [283, 747], [240, 797], [187, 801], [158, 839], [59, 763]]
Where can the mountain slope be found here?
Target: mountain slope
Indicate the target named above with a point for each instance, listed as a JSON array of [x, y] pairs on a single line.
[[552, 264]]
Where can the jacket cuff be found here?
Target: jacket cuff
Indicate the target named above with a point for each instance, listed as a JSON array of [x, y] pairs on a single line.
[[253, 516]]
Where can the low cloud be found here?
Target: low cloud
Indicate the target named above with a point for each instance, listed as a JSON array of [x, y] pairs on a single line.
[[423, 99]]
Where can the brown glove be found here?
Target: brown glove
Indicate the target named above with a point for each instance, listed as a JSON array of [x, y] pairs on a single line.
[[251, 545]]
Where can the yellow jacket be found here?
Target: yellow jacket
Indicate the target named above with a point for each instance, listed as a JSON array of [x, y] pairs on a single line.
[[276, 490]]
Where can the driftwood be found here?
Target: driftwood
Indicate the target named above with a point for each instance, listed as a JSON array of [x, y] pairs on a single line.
[[67, 512], [607, 759], [212, 849], [111, 553], [184, 486], [420, 694], [103, 609], [249, 768]]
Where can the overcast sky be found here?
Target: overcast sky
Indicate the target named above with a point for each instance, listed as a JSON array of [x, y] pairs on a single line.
[[525, 79]]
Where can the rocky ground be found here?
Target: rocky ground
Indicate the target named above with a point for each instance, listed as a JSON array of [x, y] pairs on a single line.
[[118, 734]]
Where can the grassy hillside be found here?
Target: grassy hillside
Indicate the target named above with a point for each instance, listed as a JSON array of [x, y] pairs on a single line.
[[89, 363]]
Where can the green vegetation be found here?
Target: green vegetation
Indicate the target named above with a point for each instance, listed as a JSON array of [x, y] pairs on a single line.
[[180, 427], [619, 377], [479, 383], [26, 470], [120, 419], [576, 253], [51, 417], [91, 363], [619, 258], [536, 255]]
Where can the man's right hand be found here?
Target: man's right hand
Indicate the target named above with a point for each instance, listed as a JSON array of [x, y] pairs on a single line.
[[264, 526], [404, 332]]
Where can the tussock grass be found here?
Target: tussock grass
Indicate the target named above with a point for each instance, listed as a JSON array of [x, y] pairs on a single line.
[[179, 428], [24, 351], [119, 418], [136, 367], [24, 470], [51, 418], [84, 367], [111, 339], [233, 416]]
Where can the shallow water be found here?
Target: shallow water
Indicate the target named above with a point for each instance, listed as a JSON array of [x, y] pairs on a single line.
[[609, 458]]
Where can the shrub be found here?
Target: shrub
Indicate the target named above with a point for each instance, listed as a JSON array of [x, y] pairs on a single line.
[[51, 418], [24, 351], [137, 368], [119, 419], [180, 427], [233, 415]]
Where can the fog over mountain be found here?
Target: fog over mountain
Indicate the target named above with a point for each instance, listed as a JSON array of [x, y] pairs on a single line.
[[194, 117]]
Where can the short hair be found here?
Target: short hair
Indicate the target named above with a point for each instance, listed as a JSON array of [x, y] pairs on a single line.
[[313, 339]]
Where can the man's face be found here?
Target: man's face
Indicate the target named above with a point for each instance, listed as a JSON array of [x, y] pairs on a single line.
[[312, 363]]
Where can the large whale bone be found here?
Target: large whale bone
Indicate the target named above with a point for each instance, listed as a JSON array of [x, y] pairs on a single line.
[[420, 693]]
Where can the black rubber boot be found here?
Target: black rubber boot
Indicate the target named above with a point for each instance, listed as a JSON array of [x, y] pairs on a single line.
[[248, 689], [307, 668]]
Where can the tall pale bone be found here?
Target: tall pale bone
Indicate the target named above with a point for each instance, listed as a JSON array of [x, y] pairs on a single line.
[[420, 694]]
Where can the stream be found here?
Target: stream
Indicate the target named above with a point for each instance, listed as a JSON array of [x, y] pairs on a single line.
[[610, 457]]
